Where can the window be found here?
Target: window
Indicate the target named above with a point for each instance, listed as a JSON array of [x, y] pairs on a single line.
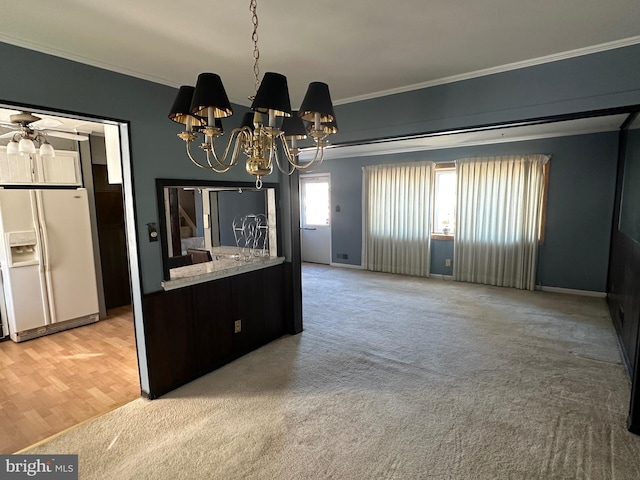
[[444, 205], [316, 202]]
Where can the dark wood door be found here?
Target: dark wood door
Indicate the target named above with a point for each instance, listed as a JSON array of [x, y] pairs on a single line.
[[111, 235]]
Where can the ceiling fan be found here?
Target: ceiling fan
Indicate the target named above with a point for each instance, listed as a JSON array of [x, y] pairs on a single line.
[[27, 130]]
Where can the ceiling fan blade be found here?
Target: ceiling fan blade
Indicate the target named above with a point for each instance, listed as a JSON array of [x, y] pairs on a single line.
[[69, 136], [8, 134], [45, 123], [24, 118]]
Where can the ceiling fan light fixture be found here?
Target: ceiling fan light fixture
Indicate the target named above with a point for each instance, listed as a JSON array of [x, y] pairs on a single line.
[[12, 148], [26, 146], [46, 150]]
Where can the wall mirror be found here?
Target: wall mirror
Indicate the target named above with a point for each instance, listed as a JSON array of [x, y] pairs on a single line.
[[207, 221]]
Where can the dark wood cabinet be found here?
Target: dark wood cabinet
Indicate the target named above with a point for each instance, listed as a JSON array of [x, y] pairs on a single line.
[[190, 331], [274, 304], [170, 339], [213, 323], [248, 294]]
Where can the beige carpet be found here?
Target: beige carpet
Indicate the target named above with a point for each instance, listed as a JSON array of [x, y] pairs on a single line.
[[393, 378]]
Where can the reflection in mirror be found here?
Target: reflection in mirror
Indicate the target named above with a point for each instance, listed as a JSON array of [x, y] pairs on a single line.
[[213, 223]]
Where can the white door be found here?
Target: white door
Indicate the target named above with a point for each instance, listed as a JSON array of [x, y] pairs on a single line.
[[315, 218]]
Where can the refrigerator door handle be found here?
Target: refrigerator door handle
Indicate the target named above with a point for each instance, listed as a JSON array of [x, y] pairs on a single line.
[[41, 257], [46, 283]]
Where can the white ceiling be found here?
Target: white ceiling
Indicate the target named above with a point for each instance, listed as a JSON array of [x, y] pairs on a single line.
[[362, 49]]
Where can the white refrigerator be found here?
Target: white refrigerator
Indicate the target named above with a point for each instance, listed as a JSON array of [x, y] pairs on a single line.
[[47, 262]]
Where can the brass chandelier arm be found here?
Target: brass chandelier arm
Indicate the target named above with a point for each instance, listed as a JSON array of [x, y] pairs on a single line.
[[314, 164], [238, 138], [289, 163], [209, 166], [307, 166], [241, 135]]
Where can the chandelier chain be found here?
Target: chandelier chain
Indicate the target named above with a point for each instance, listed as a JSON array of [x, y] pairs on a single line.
[[256, 52]]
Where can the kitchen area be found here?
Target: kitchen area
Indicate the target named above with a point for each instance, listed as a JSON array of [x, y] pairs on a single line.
[[62, 266]]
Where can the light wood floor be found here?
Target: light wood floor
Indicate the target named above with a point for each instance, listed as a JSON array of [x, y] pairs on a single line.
[[51, 383]]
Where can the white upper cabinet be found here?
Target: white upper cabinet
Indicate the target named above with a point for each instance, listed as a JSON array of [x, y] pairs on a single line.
[[63, 169]]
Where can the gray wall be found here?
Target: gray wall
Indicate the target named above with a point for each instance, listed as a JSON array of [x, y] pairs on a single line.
[[56, 84], [630, 207], [232, 204], [582, 179], [590, 82]]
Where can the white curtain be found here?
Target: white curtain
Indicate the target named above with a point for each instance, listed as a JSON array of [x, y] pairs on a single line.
[[396, 218], [498, 213]]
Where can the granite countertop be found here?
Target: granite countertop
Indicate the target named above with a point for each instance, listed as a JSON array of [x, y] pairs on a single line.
[[224, 264]]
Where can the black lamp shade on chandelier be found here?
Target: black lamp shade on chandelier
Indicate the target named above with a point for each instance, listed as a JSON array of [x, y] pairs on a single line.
[[273, 94], [293, 127], [209, 92], [181, 108], [328, 127], [247, 120], [317, 100]]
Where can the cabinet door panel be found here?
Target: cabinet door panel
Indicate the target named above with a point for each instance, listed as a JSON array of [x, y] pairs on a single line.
[[15, 168], [214, 322], [60, 170], [247, 293], [169, 337], [274, 314]]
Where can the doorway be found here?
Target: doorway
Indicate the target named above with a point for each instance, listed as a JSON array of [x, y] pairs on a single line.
[[59, 380], [315, 218]]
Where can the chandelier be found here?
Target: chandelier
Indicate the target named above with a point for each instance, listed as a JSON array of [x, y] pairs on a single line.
[[200, 109]]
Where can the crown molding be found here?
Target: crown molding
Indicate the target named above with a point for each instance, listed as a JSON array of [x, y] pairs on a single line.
[[49, 50], [625, 42]]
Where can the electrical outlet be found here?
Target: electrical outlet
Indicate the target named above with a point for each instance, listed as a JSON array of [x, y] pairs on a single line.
[[447, 262], [237, 326]]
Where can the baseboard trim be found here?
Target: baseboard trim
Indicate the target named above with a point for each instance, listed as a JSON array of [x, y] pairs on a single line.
[[571, 291], [441, 276], [345, 265]]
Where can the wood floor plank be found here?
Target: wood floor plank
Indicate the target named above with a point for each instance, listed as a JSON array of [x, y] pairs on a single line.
[[51, 383]]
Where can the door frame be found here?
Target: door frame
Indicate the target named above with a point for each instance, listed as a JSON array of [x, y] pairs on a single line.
[[130, 220]]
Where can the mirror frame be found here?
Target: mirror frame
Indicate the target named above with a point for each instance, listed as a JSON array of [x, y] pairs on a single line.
[[162, 183]]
